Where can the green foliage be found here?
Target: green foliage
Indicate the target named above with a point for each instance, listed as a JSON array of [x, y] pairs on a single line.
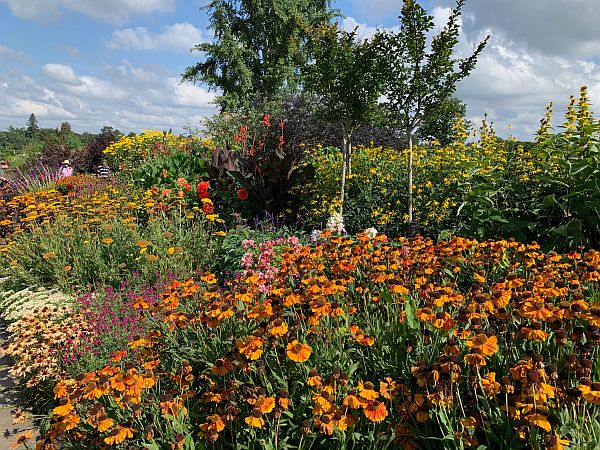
[[418, 81], [67, 255], [257, 50], [165, 170], [344, 75], [440, 126]]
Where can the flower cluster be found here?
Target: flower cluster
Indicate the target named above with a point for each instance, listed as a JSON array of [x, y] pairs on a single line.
[[361, 340]]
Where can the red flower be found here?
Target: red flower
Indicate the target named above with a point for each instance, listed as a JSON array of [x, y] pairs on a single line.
[[267, 120], [208, 208], [242, 194], [203, 186], [202, 189]]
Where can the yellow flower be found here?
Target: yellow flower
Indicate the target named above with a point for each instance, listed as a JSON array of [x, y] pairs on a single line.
[[171, 251], [49, 255]]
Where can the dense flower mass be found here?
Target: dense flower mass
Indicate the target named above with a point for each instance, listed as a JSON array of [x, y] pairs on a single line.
[[356, 338]]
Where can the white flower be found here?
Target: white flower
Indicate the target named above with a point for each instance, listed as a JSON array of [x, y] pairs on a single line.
[[335, 224], [371, 232], [314, 236]]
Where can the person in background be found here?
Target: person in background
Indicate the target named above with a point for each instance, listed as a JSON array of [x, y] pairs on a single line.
[[3, 169], [66, 169], [103, 170]]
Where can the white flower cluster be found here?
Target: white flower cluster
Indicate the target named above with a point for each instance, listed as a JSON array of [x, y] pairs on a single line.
[[18, 305], [335, 224], [371, 232]]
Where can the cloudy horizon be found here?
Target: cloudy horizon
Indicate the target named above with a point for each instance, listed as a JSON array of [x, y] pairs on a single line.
[[118, 62]]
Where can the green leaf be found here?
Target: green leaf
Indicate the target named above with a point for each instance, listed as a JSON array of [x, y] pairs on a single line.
[[409, 308]]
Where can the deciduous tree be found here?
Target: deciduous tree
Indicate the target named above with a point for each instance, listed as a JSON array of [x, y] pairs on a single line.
[[421, 77]]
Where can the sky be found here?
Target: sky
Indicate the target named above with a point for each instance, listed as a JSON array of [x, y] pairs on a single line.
[[118, 63]]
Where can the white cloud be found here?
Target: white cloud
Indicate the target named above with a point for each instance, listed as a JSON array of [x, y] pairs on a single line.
[[364, 31], [179, 37], [63, 73], [8, 53], [513, 84], [115, 11], [123, 96], [557, 27]]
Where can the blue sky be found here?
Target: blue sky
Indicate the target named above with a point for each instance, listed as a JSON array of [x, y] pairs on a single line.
[[118, 62]]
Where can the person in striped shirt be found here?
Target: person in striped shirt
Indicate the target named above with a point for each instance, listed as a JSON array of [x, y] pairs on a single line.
[[103, 170]]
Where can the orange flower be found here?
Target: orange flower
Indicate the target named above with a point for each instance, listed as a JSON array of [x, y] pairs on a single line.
[[278, 328], [107, 240], [265, 404], [487, 345], [367, 390], [375, 411], [539, 420], [555, 442], [490, 386], [351, 401], [63, 409], [105, 423], [255, 419], [325, 424], [298, 352], [21, 439], [118, 435], [474, 358], [591, 393], [251, 347], [221, 367]]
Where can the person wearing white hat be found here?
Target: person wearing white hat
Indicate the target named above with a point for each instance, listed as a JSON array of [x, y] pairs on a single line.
[[66, 169]]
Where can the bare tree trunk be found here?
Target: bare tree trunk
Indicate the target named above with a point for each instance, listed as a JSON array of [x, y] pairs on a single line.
[[349, 153], [410, 179], [344, 165]]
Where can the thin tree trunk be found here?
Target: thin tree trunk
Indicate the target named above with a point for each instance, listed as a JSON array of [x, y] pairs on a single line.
[[349, 153], [410, 179], [344, 165]]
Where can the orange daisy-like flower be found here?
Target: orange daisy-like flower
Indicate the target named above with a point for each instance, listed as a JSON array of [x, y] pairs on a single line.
[[325, 424], [278, 328], [539, 420], [283, 399], [367, 390], [533, 334], [255, 419], [591, 393], [352, 401], [221, 367], [251, 347], [555, 442], [375, 411], [105, 423], [265, 404], [64, 408], [475, 358], [118, 435], [21, 439], [487, 345], [297, 351]]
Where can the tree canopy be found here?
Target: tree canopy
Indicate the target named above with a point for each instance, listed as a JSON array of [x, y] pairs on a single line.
[[258, 49]]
